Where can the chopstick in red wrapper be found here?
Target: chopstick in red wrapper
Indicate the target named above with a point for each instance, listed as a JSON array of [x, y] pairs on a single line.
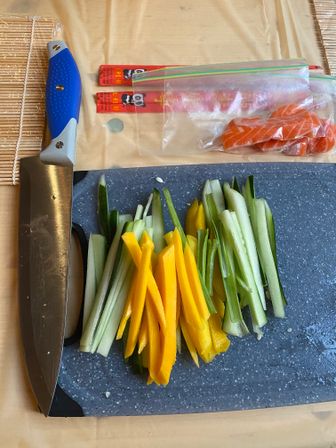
[[121, 75], [149, 102], [127, 101]]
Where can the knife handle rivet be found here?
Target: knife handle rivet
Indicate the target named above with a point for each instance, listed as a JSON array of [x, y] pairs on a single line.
[[59, 87], [59, 145], [56, 47]]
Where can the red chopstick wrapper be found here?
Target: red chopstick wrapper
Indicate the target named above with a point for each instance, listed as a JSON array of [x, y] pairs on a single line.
[[127, 101], [121, 75]]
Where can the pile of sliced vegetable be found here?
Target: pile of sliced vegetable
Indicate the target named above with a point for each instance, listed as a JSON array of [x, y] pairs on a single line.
[[152, 289]]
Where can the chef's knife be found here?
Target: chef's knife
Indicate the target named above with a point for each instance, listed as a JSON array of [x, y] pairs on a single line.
[[45, 228]]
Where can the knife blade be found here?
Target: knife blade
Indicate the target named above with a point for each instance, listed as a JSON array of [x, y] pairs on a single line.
[[45, 229]]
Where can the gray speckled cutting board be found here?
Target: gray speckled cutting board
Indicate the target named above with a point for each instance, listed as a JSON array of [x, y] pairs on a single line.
[[294, 363]]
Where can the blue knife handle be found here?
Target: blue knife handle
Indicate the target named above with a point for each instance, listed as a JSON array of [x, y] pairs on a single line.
[[63, 97]]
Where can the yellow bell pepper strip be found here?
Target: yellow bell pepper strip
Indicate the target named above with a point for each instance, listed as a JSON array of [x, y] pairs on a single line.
[[192, 241], [154, 343], [178, 339], [178, 306], [143, 334], [219, 338], [154, 259], [149, 380], [154, 293], [178, 313], [210, 354], [138, 302], [144, 357], [145, 237], [200, 219], [194, 280], [158, 276], [168, 283], [191, 312], [191, 218], [127, 310], [187, 338], [219, 304], [169, 237], [201, 339]]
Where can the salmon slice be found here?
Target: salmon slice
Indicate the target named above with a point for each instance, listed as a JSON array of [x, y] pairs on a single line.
[[317, 122], [273, 145], [287, 110], [303, 124], [289, 122], [315, 145], [323, 144], [247, 131], [298, 148], [290, 147]]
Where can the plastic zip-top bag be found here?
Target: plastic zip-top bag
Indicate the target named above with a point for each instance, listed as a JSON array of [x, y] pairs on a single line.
[[199, 102], [321, 112]]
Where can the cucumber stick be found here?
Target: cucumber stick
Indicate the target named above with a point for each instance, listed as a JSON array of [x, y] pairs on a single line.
[[270, 229], [103, 209], [251, 201], [212, 251], [237, 204], [217, 194], [158, 222], [200, 239], [149, 222], [234, 235], [149, 203], [113, 324], [95, 265], [235, 185], [104, 328], [238, 327], [213, 188], [97, 306], [272, 239], [114, 217], [227, 271], [173, 215], [205, 193], [99, 252], [204, 254], [268, 260], [138, 212], [90, 282], [249, 196]]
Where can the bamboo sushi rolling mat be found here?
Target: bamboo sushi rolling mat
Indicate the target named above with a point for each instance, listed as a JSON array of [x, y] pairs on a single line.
[[324, 12], [23, 69]]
